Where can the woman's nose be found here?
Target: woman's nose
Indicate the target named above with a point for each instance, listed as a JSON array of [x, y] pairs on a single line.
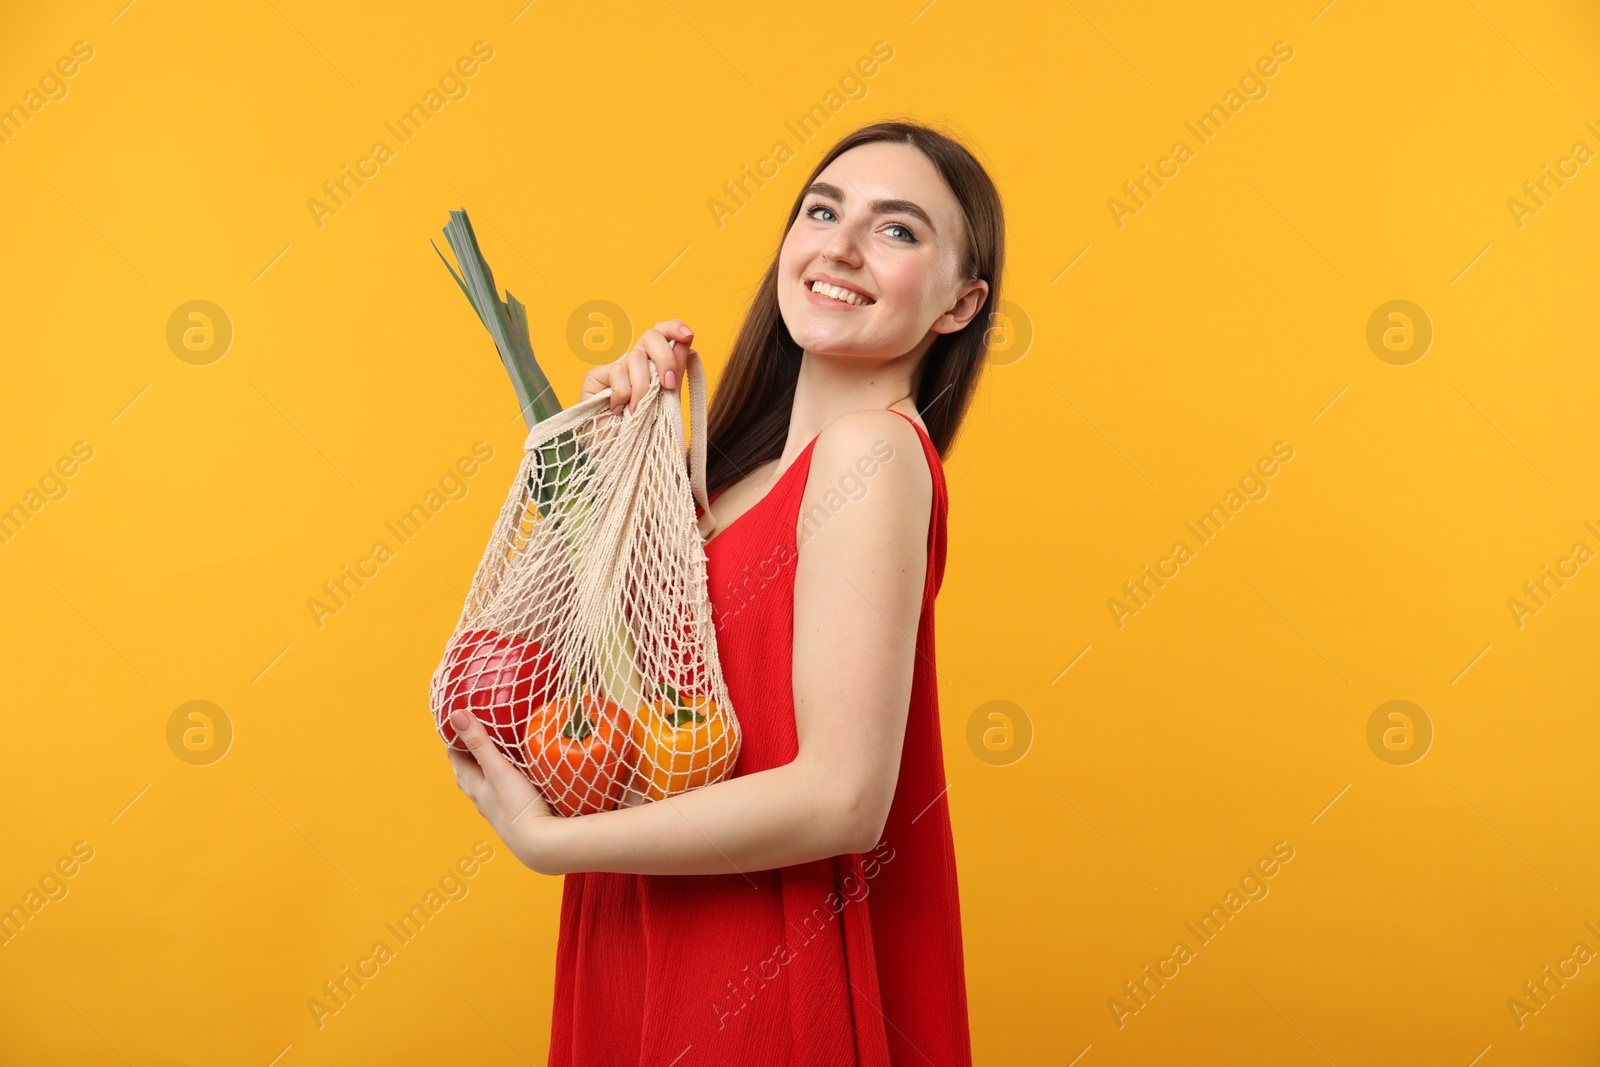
[[841, 246]]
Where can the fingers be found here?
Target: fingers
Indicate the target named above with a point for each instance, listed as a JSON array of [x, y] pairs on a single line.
[[469, 776], [493, 766], [669, 358], [658, 352], [597, 379], [676, 357], [666, 346], [628, 378], [638, 365], [612, 376]]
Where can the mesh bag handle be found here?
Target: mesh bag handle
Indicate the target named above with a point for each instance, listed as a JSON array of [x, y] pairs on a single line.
[[697, 426]]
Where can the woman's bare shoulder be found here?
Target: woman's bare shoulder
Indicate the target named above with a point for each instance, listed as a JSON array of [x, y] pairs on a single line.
[[869, 465]]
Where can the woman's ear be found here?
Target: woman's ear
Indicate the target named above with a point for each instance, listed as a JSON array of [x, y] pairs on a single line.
[[966, 306]]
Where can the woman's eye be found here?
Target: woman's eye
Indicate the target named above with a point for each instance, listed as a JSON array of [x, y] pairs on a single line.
[[909, 238]]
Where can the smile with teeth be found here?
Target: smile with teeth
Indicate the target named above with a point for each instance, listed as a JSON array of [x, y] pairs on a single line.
[[836, 293]]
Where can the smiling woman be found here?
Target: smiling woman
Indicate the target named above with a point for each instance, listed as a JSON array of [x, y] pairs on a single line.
[[865, 338]]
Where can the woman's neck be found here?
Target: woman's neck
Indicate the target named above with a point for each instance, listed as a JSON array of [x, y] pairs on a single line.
[[830, 386]]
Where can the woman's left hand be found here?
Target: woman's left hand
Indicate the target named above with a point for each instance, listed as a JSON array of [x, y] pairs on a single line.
[[501, 793]]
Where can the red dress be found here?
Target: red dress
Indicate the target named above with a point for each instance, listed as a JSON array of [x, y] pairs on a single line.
[[852, 960]]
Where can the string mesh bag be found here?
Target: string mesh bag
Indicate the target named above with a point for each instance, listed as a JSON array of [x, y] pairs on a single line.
[[586, 645]]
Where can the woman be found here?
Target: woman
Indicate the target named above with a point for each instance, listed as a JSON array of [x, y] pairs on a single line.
[[804, 910]]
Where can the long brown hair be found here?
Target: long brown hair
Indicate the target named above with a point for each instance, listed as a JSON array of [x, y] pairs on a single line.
[[749, 414]]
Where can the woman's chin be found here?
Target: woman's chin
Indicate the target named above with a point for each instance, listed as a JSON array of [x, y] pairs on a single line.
[[832, 342], [835, 349]]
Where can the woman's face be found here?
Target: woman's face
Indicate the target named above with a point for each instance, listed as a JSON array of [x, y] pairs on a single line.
[[878, 220]]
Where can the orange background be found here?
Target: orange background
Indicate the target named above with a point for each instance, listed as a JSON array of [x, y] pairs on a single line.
[[1131, 392]]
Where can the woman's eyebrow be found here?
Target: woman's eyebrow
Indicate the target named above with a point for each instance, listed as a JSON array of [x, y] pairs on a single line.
[[881, 207]]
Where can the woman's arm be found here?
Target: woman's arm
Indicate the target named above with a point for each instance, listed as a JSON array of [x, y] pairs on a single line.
[[858, 594]]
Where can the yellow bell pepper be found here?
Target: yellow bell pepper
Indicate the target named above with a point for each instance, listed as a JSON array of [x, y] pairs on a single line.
[[681, 742]]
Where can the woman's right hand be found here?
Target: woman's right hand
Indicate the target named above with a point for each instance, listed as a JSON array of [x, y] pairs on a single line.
[[629, 376]]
